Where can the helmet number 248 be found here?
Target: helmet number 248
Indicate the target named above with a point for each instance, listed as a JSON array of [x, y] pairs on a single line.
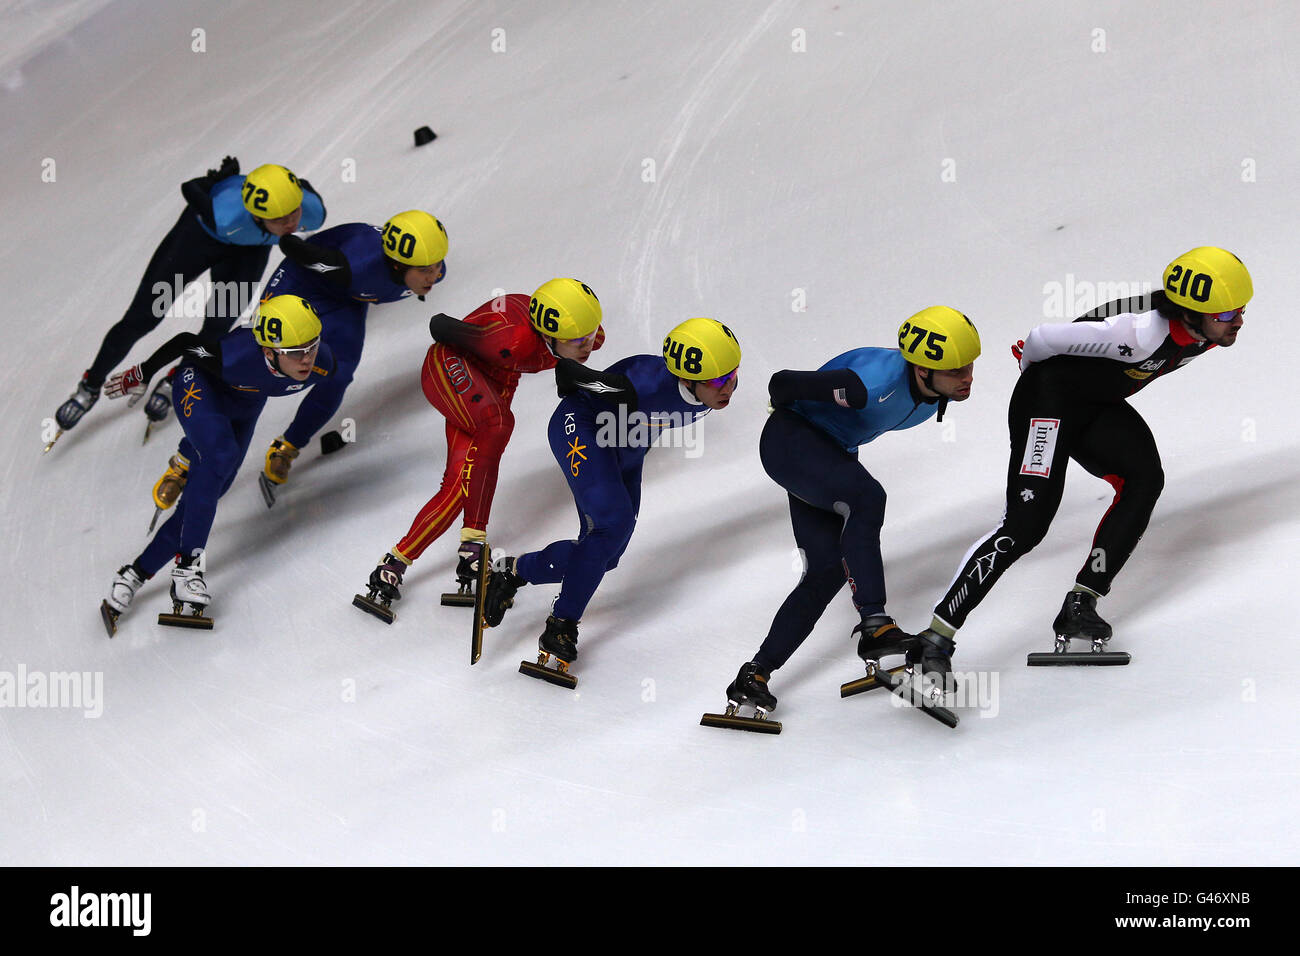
[[689, 360], [933, 341]]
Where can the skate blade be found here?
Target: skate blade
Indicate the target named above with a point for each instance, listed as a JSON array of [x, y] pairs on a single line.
[[385, 614], [46, 449], [864, 684], [196, 621], [480, 595], [268, 489], [548, 674], [906, 692], [148, 427], [156, 513], [1075, 658], [757, 725], [458, 599], [109, 616]]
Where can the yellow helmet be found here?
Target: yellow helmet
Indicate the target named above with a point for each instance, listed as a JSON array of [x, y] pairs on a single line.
[[939, 338], [1208, 279], [286, 322], [564, 309], [415, 238], [271, 191], [701, 349]]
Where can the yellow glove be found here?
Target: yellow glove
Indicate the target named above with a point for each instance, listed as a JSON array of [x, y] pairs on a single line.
[[278, 459], [169, 487]]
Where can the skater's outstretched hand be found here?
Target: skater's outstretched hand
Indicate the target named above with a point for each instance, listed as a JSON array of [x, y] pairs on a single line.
[[130, 382], [229, 167]]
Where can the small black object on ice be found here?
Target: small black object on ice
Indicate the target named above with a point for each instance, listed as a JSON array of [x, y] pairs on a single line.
[[424, 135], [331, 442]]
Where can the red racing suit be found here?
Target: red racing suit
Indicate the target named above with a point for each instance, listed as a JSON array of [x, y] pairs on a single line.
[[470, 375]]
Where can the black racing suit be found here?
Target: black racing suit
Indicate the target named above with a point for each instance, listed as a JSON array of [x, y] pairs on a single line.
[[1071, 402]]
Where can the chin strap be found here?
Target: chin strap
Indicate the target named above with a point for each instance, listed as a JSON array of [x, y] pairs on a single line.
[[928, 380]]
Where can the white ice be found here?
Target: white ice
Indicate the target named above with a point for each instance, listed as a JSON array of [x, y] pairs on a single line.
[[863, 160]]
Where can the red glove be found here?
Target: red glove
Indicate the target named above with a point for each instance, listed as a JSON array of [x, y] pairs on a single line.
[[1018, 350], [131, 382]]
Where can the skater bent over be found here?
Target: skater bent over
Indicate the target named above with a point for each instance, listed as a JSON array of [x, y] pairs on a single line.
[[342, 272], [810, 448], [226, 229], [221, 388], [470, 375], [1071, 402], [697, 373]]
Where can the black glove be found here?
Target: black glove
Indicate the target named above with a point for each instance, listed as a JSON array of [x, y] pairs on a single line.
[[327, 262], [229, 167], [612, 387]]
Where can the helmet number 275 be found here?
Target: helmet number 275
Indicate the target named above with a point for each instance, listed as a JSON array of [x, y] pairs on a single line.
[[933, 341]]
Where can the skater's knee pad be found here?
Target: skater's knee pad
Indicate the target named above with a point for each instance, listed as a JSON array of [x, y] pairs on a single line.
[[864, 502], [610, 525]]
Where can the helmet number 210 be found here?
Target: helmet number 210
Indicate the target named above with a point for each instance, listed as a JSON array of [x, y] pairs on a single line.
[[933, 341], [1181, 277]]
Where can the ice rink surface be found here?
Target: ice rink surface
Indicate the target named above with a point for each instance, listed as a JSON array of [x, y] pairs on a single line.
[[809, 173]]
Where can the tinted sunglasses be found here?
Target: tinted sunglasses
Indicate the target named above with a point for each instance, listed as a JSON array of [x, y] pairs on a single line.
[[721, 381]]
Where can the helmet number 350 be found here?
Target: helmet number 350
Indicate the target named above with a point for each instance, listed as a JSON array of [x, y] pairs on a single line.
[[403, 243], [933, 341]]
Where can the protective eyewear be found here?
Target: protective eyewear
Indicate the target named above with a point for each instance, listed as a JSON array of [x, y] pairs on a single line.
[[1229, 316], [301, 351], [722, 381]]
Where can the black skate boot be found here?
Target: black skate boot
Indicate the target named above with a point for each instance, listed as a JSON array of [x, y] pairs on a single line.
[[560, 641], [385, 588], [933, 652], [881, 637], [470, 554], [78, 403], [159, 404], [386, 578], [750, 687], [502, 586], [1079, 619]]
